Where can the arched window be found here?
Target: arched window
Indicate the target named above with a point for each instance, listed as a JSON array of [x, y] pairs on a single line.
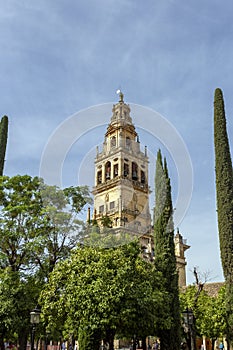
[[128, 142], [143, 177], [115, 170], [108, 171], [134, 171], [113, 141], [126, 170], [99, 177]]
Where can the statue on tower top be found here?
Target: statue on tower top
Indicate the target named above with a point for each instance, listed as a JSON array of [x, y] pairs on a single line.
[[121, 95]]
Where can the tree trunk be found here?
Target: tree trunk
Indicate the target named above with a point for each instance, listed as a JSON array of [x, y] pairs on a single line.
[[111, 344], [212, 343], [110, 339], [144, 343], [23, 335], [2, 345]]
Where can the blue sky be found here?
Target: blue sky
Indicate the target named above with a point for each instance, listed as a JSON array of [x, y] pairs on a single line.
[[60, 57]]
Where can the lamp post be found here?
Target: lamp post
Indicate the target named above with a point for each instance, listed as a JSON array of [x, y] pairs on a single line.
[[134, 342], [189, 322], [34, 319]]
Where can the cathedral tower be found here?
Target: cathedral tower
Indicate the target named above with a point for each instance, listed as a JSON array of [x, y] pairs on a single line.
[[121, 189], [180, 248]]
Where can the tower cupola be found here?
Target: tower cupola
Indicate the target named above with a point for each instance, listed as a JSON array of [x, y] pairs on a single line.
[[121, 112]]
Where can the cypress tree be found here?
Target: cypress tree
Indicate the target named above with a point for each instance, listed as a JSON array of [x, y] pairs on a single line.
[[3, 141], [224, 195], [165, 259]]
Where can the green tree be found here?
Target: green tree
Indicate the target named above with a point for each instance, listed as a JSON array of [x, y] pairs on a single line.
[[103, 292], [165, 260], [209, 311], [7, 307], [38, 223], [106, 221], [21, 221], [18, 297], [3, 141], [212, 319], [37, 229], [224, 194], [61, 208]]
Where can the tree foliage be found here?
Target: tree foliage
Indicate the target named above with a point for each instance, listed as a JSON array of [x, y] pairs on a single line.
[[61, 208], [18, 296], [21, 221], [3, 141], [209, 311], [165, 260], [38, 223], [101, 292], [224, 194], [38, 227]]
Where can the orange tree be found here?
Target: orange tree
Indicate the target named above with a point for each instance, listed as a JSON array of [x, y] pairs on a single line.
[[99, 293]]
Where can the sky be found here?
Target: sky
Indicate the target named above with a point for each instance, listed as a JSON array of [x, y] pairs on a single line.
[[60, 58]]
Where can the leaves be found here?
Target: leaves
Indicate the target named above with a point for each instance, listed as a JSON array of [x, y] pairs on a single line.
[[105, 290], [21, 220], [39, 226], [224, 193], [165, 260], [209, 312], [3, 141]]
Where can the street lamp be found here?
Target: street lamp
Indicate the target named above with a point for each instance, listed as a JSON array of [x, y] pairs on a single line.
[[34, 319], [189, 322], [134, 342]]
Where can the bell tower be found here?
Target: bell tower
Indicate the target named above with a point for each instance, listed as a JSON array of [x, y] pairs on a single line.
[[121, 189]]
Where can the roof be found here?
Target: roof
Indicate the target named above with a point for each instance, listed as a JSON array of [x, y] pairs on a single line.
[[213, 288]]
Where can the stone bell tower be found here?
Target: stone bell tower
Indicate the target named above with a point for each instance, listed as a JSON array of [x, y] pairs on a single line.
[[121, 189], [180, 248]]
